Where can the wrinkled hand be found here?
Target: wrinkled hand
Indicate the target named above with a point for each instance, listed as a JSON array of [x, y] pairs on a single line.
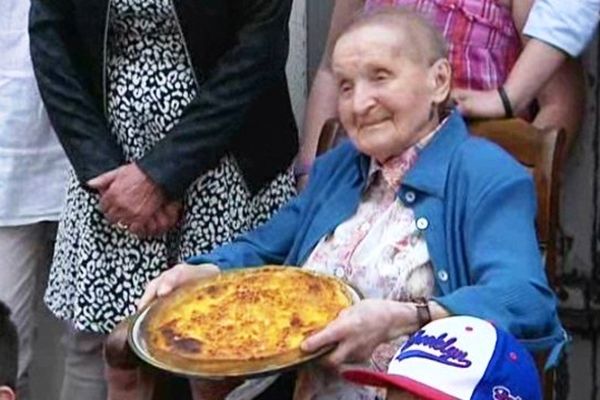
[[171, 279], [358, 330], [479, 104], [129, 197], [102, 182], [165, 219]]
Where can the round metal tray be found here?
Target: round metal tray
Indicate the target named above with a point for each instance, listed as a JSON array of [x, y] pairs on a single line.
[[221, 370]]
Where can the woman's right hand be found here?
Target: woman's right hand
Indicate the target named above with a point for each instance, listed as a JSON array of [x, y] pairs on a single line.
[[171, 279], [479, 104]]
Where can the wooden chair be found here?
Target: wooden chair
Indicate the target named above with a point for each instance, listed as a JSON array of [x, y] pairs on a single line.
[[541, 151], [329, 133]]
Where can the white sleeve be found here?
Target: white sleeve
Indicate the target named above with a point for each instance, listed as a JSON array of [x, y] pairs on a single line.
[[566, 24]]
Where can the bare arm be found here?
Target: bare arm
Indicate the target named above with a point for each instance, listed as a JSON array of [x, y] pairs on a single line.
[[534, 68], [536, 64], [323, 94], [562, 100], [540, 72]]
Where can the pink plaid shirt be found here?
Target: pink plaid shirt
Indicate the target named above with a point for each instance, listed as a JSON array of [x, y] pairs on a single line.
[[483, 41]]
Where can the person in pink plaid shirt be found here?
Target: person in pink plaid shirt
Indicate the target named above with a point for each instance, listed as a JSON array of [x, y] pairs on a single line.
[[484, 44], [482, 36]]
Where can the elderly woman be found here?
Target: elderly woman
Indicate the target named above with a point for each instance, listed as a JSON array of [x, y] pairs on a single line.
[[425, 220]]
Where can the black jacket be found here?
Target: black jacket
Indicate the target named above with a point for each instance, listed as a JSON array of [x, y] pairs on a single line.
[[238, 50]]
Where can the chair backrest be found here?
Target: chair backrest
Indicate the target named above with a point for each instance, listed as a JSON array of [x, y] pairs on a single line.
[[330, 131]]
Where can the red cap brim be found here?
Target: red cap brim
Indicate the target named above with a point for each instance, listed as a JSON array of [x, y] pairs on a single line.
[[371, 378]]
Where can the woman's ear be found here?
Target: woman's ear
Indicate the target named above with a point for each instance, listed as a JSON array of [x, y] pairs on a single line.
[[7, 393], [440, 78]]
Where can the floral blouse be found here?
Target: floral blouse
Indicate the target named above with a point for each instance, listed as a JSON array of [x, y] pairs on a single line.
[[381, 252]]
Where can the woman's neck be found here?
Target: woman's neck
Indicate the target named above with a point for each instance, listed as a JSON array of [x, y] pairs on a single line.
[[426, 132]]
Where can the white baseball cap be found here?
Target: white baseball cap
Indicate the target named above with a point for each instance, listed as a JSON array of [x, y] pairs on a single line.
[[459, 358]]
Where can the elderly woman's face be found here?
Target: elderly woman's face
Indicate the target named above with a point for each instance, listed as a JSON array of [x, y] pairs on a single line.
[[384, 97]]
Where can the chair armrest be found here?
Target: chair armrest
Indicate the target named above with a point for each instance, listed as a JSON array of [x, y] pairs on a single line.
[[546, 377]]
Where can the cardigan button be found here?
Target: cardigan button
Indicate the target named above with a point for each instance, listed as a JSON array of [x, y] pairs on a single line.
[[410, 197], [422, 223], [443, 275]]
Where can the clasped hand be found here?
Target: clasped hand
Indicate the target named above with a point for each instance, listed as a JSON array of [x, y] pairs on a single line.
[[130, 200]]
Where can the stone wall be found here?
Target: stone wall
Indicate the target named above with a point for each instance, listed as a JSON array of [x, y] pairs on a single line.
[[296, 67], [580, 220]]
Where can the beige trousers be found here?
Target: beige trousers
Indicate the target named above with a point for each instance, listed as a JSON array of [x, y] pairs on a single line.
[[84, 367], [26, 253]]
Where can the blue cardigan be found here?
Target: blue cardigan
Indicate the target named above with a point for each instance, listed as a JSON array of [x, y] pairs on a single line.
[[476, 206]]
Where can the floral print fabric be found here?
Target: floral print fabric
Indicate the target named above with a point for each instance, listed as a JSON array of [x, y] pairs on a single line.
[[381, 252]]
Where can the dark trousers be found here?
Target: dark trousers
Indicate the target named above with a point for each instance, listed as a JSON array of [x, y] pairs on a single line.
[[281, 389]]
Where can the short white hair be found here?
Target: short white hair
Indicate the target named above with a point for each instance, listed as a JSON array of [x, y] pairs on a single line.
[[418, 38]]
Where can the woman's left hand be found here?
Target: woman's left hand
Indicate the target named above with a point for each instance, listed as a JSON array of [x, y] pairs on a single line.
[[359, 329], [128, 196]]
